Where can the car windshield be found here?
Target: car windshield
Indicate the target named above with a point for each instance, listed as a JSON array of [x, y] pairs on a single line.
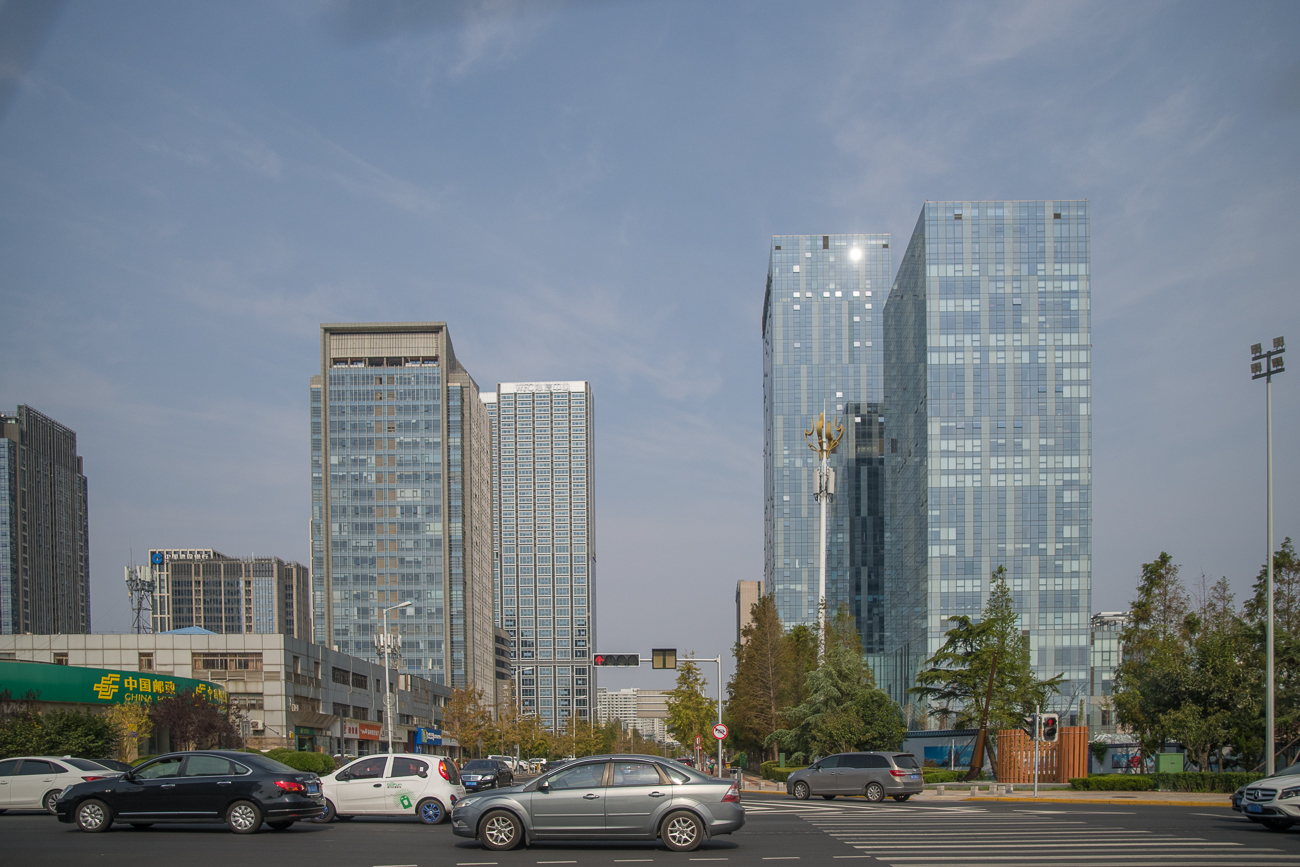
[[480, 765], [1288, 771], [906, 761]]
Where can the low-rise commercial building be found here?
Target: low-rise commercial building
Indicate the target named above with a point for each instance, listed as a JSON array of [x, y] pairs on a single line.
[[291, 692]]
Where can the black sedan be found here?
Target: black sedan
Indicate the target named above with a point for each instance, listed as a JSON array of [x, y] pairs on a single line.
[[241, 789], [481, 774]]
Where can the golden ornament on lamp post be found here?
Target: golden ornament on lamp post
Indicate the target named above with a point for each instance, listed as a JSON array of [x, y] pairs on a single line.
[[823, 439]]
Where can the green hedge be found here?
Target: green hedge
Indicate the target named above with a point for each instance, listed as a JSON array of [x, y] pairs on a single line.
[[771, 771], [317, 763], [939, 775], [1225, 783], [1113, 783]]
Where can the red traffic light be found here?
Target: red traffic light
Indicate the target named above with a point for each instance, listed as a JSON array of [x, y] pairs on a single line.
[[621, 659]]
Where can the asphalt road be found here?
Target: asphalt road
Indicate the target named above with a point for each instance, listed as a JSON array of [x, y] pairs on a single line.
[[846, 830]]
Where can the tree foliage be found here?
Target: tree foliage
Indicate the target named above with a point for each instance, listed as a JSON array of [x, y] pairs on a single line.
[[956, 683], [195, 721], [690, 712], [132, 727], [467, 720], [762, 683], [25, 731]]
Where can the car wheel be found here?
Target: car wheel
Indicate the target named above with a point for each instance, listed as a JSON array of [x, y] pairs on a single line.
[[93, 816], [500, 830], [875, 793], [140, 826], [1277, 824], [801, 790], [901, 798], [326, 815], [682, 831], [47, 803], [243, 817], [431, 812], [280, 826]]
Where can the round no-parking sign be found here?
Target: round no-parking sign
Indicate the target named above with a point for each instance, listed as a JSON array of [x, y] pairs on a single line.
[[720, 731]]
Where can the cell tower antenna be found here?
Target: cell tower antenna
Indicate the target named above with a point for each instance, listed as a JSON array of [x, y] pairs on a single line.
[[139, 588]]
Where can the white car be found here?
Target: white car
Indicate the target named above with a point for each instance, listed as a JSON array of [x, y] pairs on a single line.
[[34, 782], [515, 764], [401, 784]]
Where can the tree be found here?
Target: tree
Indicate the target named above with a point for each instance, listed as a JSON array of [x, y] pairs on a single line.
[[579, 738], [753, 708], [193, 721], [465, 718], [534, 739], [25, 731], [690, 713], [132, 726], [1286, 647], [842, 710]]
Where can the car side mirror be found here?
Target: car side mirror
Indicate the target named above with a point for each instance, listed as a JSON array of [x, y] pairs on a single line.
[[424, 775], [342, 776], [543, 786]]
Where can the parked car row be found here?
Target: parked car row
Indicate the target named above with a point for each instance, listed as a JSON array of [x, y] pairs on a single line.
[[34, 782]]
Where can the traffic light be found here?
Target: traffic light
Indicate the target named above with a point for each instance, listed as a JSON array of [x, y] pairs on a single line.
[[617, 659], [1031, 726], [1051, 727]]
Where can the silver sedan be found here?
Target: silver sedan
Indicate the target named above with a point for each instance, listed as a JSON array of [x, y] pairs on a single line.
[[624, 797]]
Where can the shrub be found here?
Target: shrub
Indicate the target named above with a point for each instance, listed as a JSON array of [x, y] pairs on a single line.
[[56, 733], [778, 774], [1226, 783], [316, 763], [940, 775], [1113, 783]]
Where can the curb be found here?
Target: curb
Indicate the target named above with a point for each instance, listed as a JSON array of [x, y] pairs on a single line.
[[1128, 801]]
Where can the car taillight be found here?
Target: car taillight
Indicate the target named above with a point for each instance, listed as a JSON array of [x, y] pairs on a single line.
[[733, 795], [290, 786], [91, 779], [442, 770], [900, 773]]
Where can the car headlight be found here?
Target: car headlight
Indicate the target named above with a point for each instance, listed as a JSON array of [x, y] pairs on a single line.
[[465, 802], [1289, 793]]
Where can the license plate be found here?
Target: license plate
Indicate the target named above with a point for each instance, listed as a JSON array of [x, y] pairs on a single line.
[[1254, 808], [916, 776], [313, 788]]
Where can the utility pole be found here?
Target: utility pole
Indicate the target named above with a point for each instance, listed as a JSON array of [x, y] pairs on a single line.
[[1263, 366], [385, 641], [823, 439]]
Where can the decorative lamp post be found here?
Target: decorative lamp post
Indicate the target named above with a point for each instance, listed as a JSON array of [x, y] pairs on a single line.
[[1263, 366], [823, 439]]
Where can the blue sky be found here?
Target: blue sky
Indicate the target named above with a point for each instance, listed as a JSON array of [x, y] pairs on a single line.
[[586, 191]]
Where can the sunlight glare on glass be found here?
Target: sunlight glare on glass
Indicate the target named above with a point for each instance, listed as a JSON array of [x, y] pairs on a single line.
[[855, 254]]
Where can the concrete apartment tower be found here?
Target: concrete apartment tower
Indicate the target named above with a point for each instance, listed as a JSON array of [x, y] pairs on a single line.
[[243, 595], [544, 518], [989, 428], [402, 500], [44, 529], [822, 350]]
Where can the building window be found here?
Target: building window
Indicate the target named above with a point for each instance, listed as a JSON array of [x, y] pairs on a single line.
[[60, 659], [226, 661], [146, 662], [341, 675]]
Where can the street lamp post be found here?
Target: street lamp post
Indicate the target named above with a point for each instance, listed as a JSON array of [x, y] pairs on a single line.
[[1263, 366], [387, 642], [823, 439]]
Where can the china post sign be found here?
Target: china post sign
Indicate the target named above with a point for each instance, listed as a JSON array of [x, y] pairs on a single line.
[[66, 683]]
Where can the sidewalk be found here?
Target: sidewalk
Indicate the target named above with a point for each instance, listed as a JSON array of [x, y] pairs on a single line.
[[1024, 794]]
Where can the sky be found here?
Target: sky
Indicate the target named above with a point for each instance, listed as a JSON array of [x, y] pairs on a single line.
[[586, 190]]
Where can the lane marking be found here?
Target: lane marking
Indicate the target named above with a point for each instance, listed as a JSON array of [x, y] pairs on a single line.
[[1086, 859], [781, 858], [632, 860], [475, 863], [557, 862]]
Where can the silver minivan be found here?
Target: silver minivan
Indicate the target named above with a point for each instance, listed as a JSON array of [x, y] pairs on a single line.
[[872, 775]]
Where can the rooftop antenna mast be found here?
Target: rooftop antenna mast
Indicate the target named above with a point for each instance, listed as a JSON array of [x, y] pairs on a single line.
[[139, 588]]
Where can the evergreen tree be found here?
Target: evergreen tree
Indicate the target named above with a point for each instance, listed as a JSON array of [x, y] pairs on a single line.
[[753, 708], [690, 713]]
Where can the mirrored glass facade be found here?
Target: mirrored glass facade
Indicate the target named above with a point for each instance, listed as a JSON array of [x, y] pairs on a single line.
[[989, 436], [544, 534], [401, 501], [822, 350]]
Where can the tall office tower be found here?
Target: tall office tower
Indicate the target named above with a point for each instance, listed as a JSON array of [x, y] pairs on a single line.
[[205, 588], [747, 595], [987, 381], [822, 351], [44, 531], [545, 537], [402, 500]]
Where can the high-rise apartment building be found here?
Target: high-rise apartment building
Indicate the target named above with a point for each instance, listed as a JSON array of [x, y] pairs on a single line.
[[44, 529], [402, 500], [250, 595], [822, 351], [543, 504], [988, 421]]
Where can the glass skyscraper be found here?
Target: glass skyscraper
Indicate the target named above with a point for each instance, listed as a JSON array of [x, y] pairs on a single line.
[[544, 522], [987, 408], [44, 528], [822, 350], [401, 501]]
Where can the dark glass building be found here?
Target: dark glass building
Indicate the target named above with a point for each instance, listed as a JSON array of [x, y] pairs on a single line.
[[44, 535], [822, 350]]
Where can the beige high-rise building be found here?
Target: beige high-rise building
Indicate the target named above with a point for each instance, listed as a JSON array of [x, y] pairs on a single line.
[[402, 501], [747, 594]]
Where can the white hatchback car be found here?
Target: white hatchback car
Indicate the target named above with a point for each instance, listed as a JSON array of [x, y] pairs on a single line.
[[34, 782], [401, 784]]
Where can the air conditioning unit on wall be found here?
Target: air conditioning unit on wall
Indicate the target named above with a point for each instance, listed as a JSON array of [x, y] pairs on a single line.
[[257, 725]]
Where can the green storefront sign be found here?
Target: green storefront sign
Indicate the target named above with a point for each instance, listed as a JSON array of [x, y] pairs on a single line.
[[66, 683]]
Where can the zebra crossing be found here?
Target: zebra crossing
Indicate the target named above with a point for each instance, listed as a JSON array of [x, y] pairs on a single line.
[[941, 837]]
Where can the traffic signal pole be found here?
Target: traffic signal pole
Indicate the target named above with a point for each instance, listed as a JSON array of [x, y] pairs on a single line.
[[1038, 736]]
